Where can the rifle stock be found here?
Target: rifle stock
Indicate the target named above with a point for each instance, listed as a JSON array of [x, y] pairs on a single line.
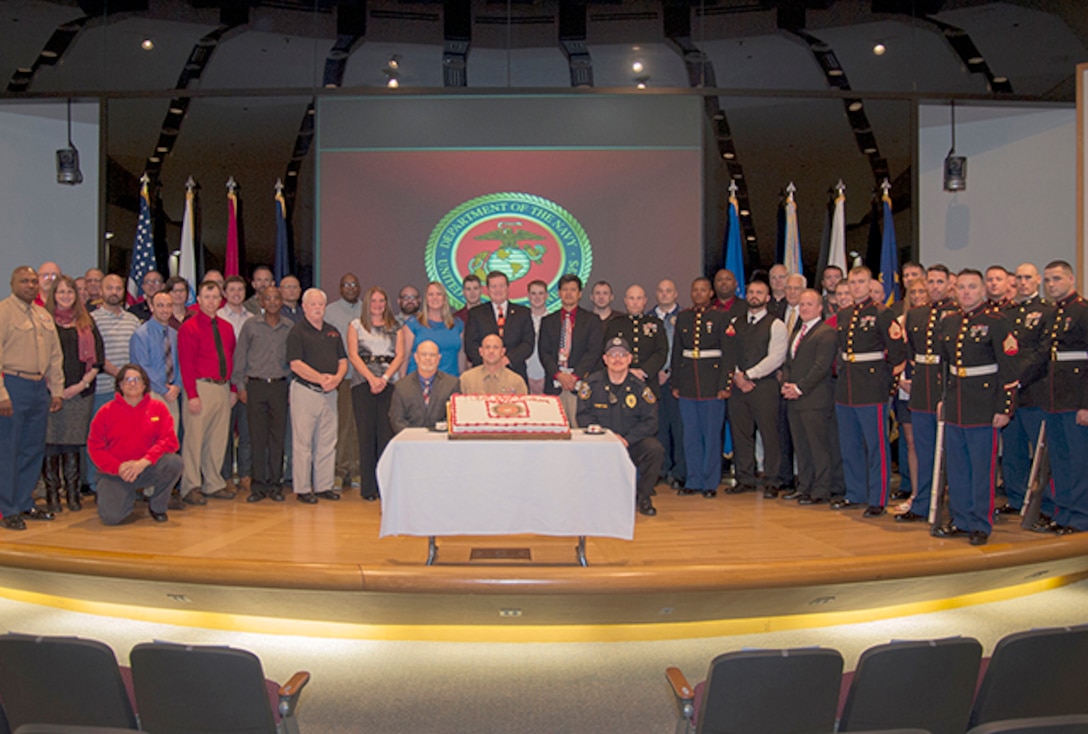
[[936, 493], [1037, 481]]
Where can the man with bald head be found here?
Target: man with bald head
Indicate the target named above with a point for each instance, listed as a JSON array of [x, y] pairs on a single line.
[[93, 278], [492, 377], [778, 276], [47, 275], [340, 314], [419, 399], [645, 336], [670, 428], [31, 387]]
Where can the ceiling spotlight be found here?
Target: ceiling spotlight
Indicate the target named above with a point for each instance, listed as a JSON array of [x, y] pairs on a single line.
[[729, 155], [154, 159], [744, 212], [160, 149], [976, 60], [394, 62], [640, 85], [147, 44], [393, 82], [855, 105], [879, 48], [637, 67], [751, 238], [834, 72]]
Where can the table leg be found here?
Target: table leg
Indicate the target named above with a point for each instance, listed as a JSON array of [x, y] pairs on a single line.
[[580, 551], [432, 550]]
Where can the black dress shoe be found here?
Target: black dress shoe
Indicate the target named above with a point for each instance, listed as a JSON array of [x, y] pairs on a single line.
[[370, 497], [328, 494], [676, 483], [873, 511], [277, 495], [1044, 525], [175, 503], [306, 499], [12, 522], [1067, 530], [794, 495], [909, 516], [37, 513], [685, 492], [157, 516], [978, 538], [1007, 510], [196, 497], [900, 495], [807, 499], [948, 531], [710, 493], [770, 493], [646, 507], [844, 504], [254, 497]]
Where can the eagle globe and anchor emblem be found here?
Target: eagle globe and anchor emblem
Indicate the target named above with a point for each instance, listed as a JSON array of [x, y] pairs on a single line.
[[524, 236]]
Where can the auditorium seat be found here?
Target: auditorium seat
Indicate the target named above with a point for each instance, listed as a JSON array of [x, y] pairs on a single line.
[[762, 692], [928, 684], [63, 680], [182, 689], [1067, 724], [64, 729], [1040, 672]]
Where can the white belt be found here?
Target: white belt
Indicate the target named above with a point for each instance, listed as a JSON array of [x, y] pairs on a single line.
[[927, 359], [1069, 356], [979, 371], [701, 353], [863, 357]]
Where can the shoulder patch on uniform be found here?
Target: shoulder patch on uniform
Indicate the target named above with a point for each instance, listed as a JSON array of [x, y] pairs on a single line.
[[584, 391], [648, 395], [1010, 345]]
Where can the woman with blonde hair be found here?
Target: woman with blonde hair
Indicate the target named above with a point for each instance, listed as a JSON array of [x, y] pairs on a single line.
[[66, 432], [376, 351], [436, 323]]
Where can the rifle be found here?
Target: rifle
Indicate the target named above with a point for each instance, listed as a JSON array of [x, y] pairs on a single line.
[[936, 492], [1037, 481]]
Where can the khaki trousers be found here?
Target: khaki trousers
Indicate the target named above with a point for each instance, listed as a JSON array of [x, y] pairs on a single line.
[[206, 439], [313, 435]]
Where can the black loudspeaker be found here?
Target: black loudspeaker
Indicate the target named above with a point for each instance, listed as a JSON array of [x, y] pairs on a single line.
[[68, 167], [955, 173]]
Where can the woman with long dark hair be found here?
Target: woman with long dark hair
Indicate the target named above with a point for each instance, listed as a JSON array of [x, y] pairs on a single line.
[[66, 433]]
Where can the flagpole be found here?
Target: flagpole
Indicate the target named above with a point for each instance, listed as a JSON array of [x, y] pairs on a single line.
[[837, 247], [187, 256], [230, 265], [889, 251], [791, 255], [280, 260], [734, 256]]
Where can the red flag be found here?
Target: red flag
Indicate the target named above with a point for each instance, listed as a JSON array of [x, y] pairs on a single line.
[[231, 265]]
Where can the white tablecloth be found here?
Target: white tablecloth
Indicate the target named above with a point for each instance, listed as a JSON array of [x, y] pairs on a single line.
[[431, 485]]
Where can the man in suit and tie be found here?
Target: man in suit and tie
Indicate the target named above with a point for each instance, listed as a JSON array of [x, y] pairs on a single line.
[[419, 399], [569, 346], [810, 401], [512, 322]]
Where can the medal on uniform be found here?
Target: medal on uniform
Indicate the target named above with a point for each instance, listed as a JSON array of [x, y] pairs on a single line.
[[631, 401]]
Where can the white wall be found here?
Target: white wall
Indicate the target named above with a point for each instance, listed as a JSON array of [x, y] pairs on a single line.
[[1020, 201], [40, 219]]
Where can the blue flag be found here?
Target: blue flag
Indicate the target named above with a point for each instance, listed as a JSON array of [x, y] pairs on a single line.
[[889, 255], [734, 256], [280, 264], [143, 247]]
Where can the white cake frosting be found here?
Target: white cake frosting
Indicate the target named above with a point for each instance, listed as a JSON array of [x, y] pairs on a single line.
[[507, 416]]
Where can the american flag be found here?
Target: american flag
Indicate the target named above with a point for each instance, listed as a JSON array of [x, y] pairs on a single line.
[[143, 247]]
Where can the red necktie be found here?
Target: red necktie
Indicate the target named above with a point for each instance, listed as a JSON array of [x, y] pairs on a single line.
[[500, 320], [800, 336]]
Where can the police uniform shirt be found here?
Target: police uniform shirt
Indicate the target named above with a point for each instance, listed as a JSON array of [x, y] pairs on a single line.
[[1066, 336], [628, 409], [924, 353], [703, 353], [646, 336], [981, 370], [871, 347]]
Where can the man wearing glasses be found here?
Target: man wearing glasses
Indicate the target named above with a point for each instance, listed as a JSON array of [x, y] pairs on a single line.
[[408, 303], [151, 284]]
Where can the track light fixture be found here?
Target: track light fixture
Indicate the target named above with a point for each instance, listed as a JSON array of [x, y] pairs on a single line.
[[955, 166], [68, 172]]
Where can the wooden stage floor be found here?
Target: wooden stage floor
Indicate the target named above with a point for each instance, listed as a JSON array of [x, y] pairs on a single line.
[[730, 558]]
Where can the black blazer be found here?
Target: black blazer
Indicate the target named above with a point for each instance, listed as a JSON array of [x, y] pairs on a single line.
[[810, 369], [585, 348], [407, 409], [519, 336]]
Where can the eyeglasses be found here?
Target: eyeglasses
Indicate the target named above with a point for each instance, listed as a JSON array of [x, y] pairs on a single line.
[[409, 298], [348, 284], [132, 379]]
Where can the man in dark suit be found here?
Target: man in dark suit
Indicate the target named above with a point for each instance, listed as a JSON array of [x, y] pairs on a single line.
[[810, 401], [512, 322], [569, 346], [419, 399]]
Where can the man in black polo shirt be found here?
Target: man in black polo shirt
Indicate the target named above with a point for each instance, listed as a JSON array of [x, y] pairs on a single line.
[[316, 355]]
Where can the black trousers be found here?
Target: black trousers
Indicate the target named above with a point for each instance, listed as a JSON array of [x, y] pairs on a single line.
[[375, 431], [267, 414], [813, 432], [648, 456], [748, 412]]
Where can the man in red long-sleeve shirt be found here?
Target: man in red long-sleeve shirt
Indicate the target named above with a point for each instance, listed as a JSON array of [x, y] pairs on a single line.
[[206, 359], [133, 444]]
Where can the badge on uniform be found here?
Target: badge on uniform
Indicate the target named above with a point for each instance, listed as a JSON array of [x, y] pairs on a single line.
[[649, 328], [867, 322], [979, 330], [1032, 319], [730, 331], [648, 395], [584, 391], [1010, 345], [630, 401], [709, 327]]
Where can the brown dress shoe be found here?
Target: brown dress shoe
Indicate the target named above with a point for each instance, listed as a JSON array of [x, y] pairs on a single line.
[[223, 494]]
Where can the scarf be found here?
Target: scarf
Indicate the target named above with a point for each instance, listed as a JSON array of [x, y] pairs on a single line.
[[65, 318]]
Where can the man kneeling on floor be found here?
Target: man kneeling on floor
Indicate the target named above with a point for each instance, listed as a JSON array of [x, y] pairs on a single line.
[[133, 444]]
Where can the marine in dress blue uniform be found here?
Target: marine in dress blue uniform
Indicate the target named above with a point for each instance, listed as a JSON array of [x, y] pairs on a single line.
[[980, 380]]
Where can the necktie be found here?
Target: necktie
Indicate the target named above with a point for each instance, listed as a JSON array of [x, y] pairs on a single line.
[[791, 321], [797, 341], [219, 349], [168, 356], [565, 337], [427, 391], [500, 320]]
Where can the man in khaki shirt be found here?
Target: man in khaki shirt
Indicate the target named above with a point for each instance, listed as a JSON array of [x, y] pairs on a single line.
[[30, 388], [491, 377]]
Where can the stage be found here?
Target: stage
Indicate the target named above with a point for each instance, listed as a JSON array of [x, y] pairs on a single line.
[[700, 567]]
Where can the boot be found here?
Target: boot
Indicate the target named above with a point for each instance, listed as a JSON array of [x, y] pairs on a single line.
[[51, 475], [71, 480]]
